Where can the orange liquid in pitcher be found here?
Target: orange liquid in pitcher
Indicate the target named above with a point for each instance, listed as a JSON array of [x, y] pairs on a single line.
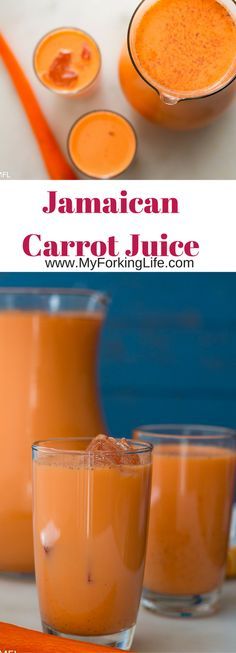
[[186, 45], [90, 541], [47, 389], [185, 49], [189, 520]]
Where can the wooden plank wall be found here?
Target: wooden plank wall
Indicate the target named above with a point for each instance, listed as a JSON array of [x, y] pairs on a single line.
[[168, 349]]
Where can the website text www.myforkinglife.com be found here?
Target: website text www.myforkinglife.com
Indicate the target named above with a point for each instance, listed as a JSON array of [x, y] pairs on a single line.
[[119, 264]]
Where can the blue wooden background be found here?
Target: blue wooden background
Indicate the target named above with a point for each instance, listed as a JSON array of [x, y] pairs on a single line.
[[168, 347]]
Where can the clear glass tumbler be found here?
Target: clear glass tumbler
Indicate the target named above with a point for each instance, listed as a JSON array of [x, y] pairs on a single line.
[[191, 504], [68, 61], [49, 343], [102, 144], [90, 527]]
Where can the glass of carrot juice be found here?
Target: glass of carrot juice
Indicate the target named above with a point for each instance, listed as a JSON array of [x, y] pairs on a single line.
[[191, 504], [91, 506], [67, 61], [102, 144], [178, 66]]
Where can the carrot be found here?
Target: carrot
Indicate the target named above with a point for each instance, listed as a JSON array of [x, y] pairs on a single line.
[[54, 160], [23, 640]]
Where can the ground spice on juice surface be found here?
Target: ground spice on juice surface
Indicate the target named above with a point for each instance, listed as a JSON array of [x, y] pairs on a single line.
[[186, 45]]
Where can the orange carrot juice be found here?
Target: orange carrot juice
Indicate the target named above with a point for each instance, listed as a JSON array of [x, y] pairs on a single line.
[[67, 60], [184, 50], [192, 491], [47, 385], [90, 521], [102, 144]]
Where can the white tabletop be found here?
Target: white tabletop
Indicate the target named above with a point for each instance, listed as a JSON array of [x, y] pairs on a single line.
[[205, 154], [217, 634]]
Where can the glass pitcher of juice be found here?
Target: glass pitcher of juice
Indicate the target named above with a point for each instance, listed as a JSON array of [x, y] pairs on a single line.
[[179, 65], [48, 350]]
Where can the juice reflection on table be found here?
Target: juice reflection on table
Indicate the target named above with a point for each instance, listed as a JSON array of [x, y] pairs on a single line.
[[48, 352], [180, 61], [90, 525], [191, 503]]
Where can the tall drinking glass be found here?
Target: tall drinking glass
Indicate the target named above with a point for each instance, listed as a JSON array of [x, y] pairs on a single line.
[[48, 351], [90, 527], [191, 503]]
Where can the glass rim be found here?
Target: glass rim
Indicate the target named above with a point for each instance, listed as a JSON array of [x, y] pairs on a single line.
[[185, 432], [67, 92], [40, 447], [162, 90], [92, 112], [39, 291]]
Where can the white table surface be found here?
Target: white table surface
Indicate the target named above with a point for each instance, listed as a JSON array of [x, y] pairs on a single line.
[[205, 154], [217, 634]]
